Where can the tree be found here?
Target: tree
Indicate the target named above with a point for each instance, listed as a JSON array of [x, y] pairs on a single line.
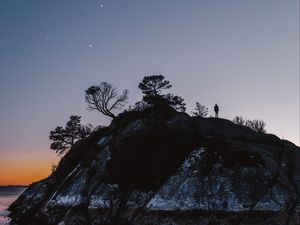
[[73, 130], [176, 102], [64, 138], [141, 106], [152, 87], [257, 125], [104, 98], [200, 110], [154, 84], [88, 129], [53, 167], [238, 120]]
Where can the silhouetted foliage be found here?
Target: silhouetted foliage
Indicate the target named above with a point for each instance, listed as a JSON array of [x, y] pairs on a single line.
[[104, 98], [154, 84], [89, 128], [152, 87], [53, 167], [155, 100], [64, 138], [256, 125], [176, 102], [200, 110], [141, 106], [238, 120]]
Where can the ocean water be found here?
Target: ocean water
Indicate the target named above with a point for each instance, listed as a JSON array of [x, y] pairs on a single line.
[[7, 196]]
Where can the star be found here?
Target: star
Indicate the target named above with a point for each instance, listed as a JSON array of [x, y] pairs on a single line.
[[100, 5], [90, 46]]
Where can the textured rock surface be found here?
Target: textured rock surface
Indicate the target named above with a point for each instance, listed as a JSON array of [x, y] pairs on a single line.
[[169, 170], [240, 188]]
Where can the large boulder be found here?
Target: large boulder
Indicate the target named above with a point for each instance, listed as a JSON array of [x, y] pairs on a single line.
[[169, 169]]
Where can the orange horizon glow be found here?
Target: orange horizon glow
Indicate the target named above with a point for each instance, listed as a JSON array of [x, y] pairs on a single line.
[[25, 169]]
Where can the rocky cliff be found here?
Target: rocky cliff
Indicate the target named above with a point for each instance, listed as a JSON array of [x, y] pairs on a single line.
[[168, 168]]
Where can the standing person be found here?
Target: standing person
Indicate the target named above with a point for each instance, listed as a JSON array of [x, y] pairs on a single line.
[[216, 108]]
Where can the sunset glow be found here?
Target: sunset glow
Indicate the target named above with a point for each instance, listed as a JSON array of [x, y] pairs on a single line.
[[242, 55], [25, 168]]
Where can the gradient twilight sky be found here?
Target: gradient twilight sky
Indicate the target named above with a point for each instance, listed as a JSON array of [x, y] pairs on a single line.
[[243, 55]]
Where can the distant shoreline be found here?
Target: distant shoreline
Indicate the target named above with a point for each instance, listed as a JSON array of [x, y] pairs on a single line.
[[14, 186]]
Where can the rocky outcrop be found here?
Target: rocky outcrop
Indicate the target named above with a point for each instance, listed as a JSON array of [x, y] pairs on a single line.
[[169, 168]]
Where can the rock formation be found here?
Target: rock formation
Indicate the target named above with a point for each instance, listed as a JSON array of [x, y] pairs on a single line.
[[169, 168]]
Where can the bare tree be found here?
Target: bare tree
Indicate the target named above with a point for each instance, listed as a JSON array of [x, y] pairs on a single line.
[[238, 120], [104, 98], [200, 110], [257, 125]]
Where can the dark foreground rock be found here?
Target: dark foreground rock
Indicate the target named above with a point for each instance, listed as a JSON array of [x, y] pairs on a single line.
[[169, 168]]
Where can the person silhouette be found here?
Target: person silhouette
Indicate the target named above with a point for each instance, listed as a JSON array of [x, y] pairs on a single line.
[[216, 108]]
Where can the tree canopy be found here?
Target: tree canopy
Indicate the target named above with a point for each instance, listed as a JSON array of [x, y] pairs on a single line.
[[176, 102], [64, 138], [152, 87], [154, 84]]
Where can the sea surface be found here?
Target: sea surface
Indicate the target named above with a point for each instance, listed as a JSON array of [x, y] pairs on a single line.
[[8, 194]]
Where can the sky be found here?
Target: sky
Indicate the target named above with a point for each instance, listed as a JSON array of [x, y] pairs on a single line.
[[242, 55]]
